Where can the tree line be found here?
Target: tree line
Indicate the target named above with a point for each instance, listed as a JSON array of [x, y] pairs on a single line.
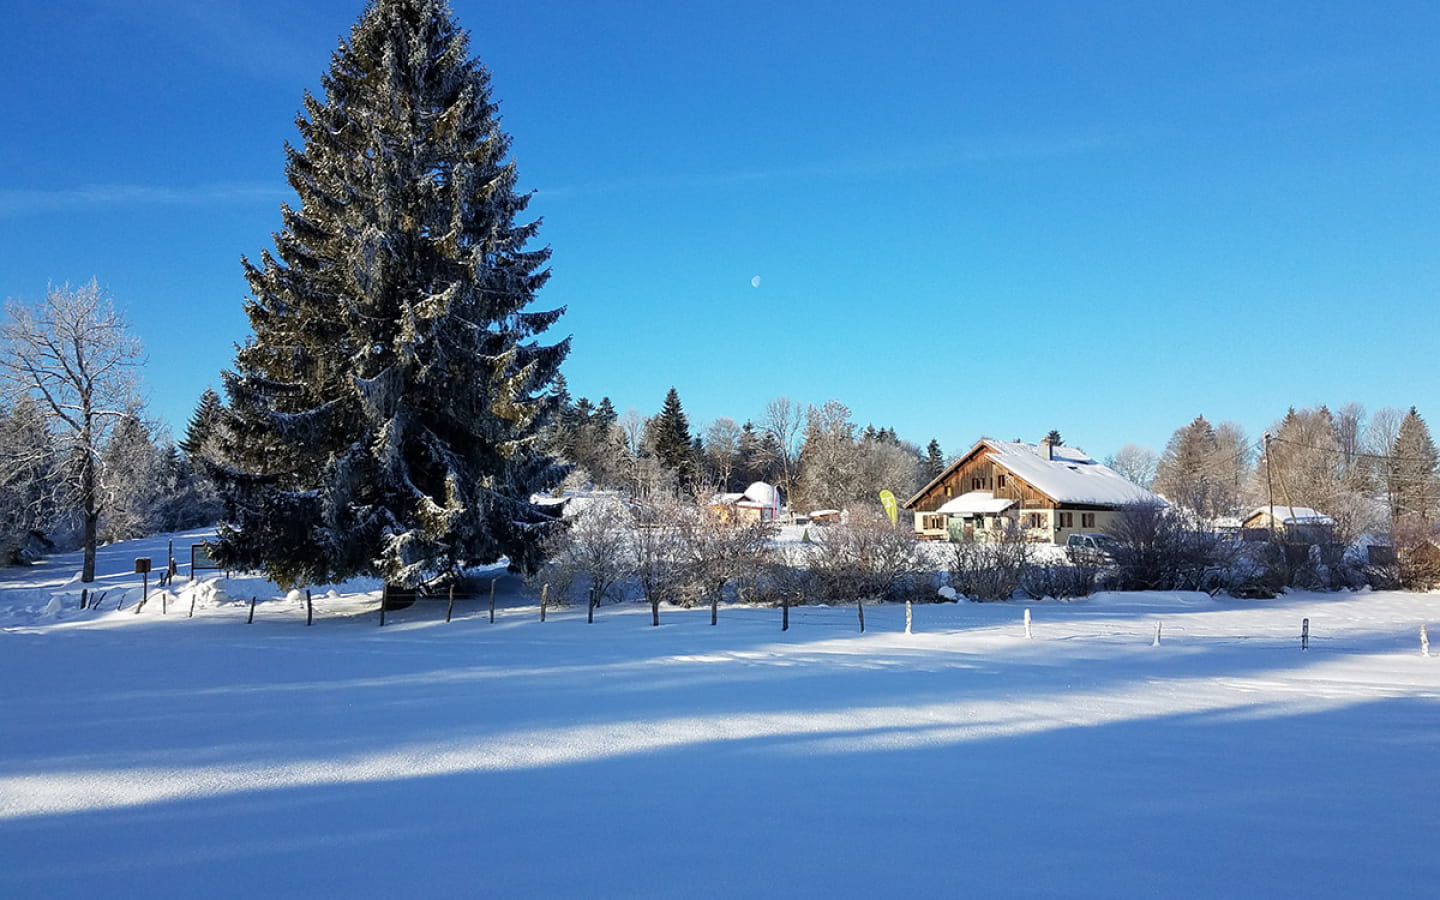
[[817, 455]]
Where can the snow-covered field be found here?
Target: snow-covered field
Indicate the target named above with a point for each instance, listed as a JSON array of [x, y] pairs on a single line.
[[161, 755]]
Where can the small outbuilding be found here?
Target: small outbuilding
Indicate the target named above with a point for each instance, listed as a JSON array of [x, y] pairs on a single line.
[[1296, 524], [760, 502]]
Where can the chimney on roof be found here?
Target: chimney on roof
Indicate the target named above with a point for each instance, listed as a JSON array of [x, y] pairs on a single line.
[[1048, 447]]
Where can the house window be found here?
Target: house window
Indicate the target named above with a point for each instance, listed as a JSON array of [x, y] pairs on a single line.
[[976, 484], [1067, 520], [1034, 520], [934, 523], [1000, 480], [1087, 520]]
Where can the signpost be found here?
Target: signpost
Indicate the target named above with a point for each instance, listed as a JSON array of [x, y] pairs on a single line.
[[142, 568], [200, 559]]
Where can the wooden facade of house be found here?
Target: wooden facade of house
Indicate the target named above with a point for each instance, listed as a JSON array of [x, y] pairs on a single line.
[[954, 507]]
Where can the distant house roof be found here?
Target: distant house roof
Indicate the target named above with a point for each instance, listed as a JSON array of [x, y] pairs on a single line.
[[1293, 515], [1066, 475], [975, 502], [758, 495]]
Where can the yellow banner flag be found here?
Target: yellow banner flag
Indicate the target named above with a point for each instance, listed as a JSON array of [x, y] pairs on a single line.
[[887, 500]]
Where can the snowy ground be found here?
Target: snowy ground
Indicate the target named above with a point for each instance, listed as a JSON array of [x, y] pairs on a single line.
[[159, 755]]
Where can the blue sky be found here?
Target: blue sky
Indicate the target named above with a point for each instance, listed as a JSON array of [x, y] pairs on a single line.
[[966, 218]]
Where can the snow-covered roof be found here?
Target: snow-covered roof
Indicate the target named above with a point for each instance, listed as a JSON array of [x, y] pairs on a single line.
[[757, 496], [1294, 515], [1070, 476], [763, 494], [975, 502]]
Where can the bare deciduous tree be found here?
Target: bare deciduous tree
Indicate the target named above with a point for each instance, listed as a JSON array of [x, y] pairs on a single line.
[[27, 485], [655, 550], [1137, 464], [589, 553], [783, 421], [722, 449], [74, 355], [721, 550]]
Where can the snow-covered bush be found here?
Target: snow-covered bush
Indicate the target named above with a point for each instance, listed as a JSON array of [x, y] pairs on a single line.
[[991, 569], [867, 558], [1059, 581], [587, 556], [1157, 550]]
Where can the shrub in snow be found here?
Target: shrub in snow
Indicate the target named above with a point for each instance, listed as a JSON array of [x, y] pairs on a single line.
[[587, 556], [990, 569], [869, 558], [1156, 549], [1058, 581]]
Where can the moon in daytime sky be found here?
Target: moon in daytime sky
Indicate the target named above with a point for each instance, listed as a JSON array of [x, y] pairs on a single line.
[[755, 282]]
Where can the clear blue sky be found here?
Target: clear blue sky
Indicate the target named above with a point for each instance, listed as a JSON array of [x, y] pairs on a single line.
[[966, 218]]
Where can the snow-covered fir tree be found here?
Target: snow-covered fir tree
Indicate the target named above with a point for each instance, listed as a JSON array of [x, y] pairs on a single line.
[[384, 418], [1413, 470], [200, 430]]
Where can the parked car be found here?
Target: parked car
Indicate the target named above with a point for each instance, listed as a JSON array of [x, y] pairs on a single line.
[[1091, 549]]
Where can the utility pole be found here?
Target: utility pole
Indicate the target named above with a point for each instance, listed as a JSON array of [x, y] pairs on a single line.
[[1269, 487]]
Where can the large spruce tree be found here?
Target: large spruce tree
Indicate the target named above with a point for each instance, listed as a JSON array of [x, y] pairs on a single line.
[[384, 418], [1413, 471], [670, 436]]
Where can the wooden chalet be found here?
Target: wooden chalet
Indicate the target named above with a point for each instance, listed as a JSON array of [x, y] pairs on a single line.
[[1049, 492]]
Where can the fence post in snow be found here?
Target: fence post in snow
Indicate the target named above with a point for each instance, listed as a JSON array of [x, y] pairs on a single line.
[[1304, 634], [908, 617], [1424, 641], [492, 600], [1028, 632], [451, 608], [544, 598], [251, 620], [309, 609], [784, 612], [84, 597], [384, 602], [860, 606], [1156, 642], [192, 606]]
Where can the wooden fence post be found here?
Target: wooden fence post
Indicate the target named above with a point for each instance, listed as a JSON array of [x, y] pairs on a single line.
[[860, 609], [1424, 641], [84, 597], [1304, 634], [1156, 642], [1028, 632], [384, 602], [908, 617], [451, 608], [544, 598], [309, 609], [492, 600], [192, 606], [251, 620]]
